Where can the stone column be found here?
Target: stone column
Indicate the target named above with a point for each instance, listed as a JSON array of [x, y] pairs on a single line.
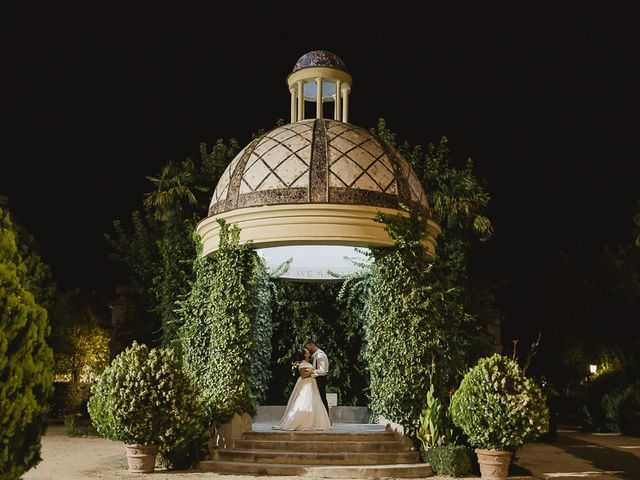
[[338, 105], [345, 104], [293, 105], [318, 98], [300, 101]]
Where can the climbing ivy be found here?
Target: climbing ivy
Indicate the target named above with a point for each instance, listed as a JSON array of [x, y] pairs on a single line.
[[415, 329], [308, 311], [226, 328]]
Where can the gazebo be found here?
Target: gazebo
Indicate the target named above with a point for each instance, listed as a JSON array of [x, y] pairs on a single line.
[[311, 189]]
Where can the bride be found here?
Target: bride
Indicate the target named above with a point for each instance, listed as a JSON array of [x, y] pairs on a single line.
[[305, 410]]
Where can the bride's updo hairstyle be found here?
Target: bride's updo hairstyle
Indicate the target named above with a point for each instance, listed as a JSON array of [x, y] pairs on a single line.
[[299, 356]]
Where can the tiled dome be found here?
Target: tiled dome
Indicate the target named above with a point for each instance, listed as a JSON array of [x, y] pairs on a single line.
[[318, 161], [319, 58]]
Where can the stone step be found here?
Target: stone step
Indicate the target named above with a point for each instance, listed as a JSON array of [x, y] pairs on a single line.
[[314, 458], [322, 446], [412, 470], [242, 468], [324, 436], [417, 470]]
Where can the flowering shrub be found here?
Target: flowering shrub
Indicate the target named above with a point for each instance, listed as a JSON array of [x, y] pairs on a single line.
[[143, 397], [497, 407]]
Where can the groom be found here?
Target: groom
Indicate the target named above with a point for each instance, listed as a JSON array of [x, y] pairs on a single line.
[[320, 363]]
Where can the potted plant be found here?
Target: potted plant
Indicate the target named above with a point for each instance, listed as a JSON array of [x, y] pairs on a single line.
[[144, 400], [498, 408]]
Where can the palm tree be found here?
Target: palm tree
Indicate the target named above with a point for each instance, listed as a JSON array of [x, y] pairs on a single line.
[[175, 187]]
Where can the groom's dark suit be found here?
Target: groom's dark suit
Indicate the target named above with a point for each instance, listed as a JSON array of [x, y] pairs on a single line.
[[321, 365]]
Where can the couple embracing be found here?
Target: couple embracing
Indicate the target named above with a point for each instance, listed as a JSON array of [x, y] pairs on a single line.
[[307, 408]]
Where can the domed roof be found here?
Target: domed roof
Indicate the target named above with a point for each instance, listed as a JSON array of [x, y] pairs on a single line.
[[319, 161], [319, 58]]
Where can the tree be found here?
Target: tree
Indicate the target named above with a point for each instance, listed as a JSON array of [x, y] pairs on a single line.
[[419, 324], [458, 200], [39, 278], [158, 253], [79, 338], [25, 362]]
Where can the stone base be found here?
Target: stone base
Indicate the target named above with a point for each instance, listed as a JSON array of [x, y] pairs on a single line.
[[339, 414], [226, 435]]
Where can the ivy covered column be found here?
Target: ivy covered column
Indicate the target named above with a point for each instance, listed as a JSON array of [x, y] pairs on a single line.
[[225, 340], [413, 326]]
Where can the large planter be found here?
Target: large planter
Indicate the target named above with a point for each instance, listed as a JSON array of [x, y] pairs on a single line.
[[141, 458], [494, 464]]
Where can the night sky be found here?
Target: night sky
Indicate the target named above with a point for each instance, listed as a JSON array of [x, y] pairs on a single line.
[[544, 101]]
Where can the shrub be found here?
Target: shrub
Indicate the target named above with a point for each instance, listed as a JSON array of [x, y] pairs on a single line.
[[143, 397], [605, 395], [26, 375], [497, 407], [78, 425], [69, 398], [455, 460], [630, 411]]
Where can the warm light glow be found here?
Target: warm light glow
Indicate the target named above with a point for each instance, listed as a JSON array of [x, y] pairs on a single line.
[[593, 368], [314, 262]]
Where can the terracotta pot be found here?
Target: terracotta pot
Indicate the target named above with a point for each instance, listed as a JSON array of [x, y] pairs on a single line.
[[141, 458], [494, 464]]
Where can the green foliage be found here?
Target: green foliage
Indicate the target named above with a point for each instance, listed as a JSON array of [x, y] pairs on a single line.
[[225, 319], [498, 407], [69, 397], [458, 200], [144, 397], [158, 253], [174, 190], [309, 311], [454, 460], [608, 393], [629, 413], [26, 375], [263, 294], [171, 282], [38, 279], [78, 425], [420, 318], [79, 338], [436, 426], [137, 251], [416, 330]]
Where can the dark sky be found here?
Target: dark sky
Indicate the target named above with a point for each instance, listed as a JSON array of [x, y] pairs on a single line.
[[544, 101]]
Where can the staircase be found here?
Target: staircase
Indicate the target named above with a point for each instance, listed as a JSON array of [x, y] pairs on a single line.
[[319, 455]]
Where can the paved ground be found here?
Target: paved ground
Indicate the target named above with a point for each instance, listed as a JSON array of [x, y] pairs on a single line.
[[577, 454], [572, 455]]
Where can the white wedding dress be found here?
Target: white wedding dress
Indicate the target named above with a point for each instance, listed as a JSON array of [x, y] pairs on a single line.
[[305, 410]]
